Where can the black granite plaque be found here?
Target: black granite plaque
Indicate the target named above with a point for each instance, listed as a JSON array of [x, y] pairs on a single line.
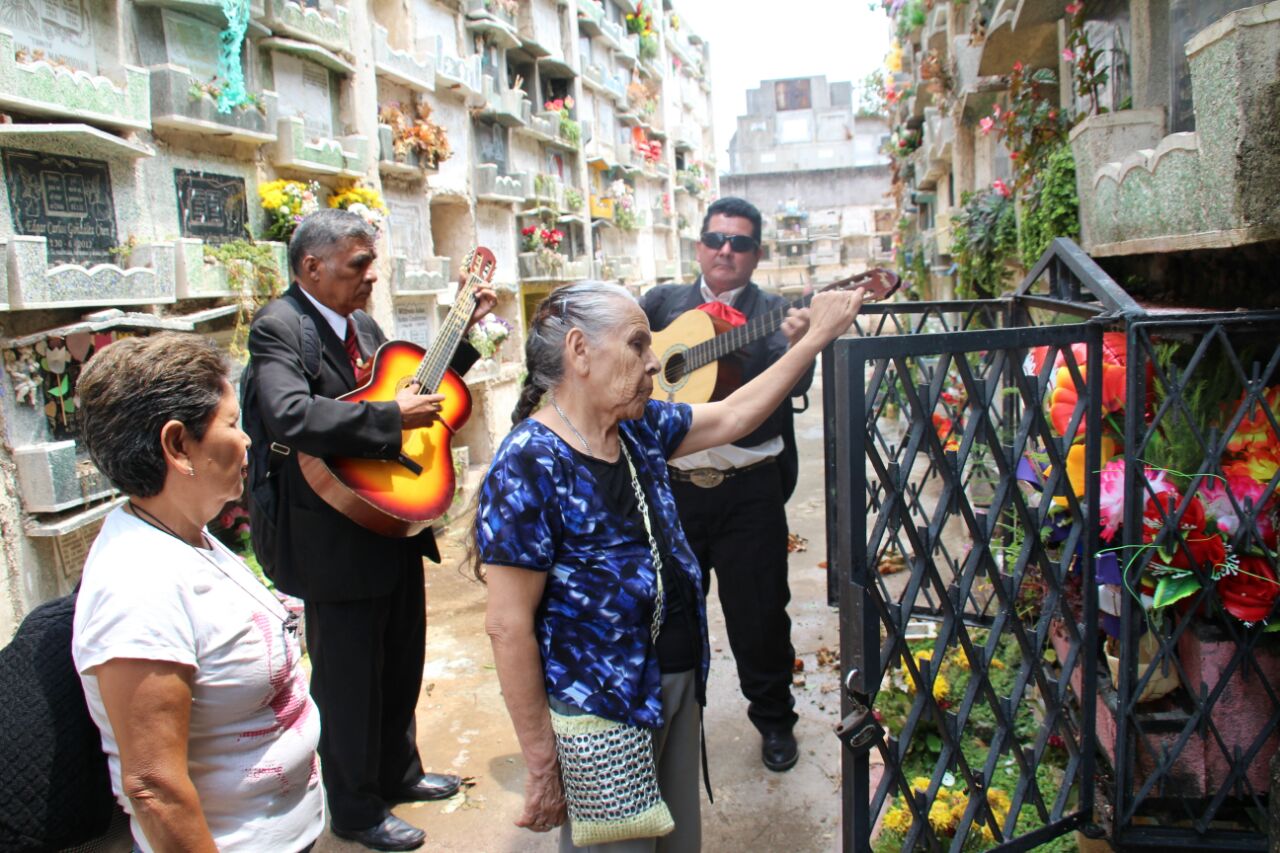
[[211, 207], [66, 200]]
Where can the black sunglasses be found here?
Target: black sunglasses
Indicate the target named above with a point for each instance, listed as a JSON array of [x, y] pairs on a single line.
[[739, 243]]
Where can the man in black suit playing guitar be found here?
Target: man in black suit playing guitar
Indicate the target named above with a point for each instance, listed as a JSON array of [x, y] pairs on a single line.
[[732, 498], [364, 594]]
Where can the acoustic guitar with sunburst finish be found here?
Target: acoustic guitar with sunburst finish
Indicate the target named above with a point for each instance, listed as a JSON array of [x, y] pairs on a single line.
[[690, 350], [400, 497]]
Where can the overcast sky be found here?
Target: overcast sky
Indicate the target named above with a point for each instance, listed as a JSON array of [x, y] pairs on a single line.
[[754, 40]]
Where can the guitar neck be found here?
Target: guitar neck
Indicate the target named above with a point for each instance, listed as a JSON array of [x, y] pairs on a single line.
[[431, 371], [740, 336]]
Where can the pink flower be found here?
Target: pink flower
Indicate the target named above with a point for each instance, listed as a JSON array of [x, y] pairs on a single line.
[[1068, 55], [995, 111], [987, 123], [1074, 7], [1216, 497], [1002, 188], [1111, 497], [1017, 66]]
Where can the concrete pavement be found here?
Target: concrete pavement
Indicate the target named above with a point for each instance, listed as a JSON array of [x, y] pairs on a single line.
[[464, 728]]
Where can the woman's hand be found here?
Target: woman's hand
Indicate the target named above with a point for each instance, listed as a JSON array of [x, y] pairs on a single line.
[[831, 314], [544, 807], [728, 420]]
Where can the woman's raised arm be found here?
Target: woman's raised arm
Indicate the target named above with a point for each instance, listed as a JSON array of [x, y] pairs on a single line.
[[728, 420]]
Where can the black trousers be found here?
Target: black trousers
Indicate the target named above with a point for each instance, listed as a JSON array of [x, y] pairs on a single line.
[[366, 674], [739, 530]]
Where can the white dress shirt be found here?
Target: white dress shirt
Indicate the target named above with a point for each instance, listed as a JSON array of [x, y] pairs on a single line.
[[727, 456], [336, 321]]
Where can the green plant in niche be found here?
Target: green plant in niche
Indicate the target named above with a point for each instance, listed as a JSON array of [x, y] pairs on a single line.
[[984, 236], [1050, 207], [572, 199], [910, 17], [254, 278]]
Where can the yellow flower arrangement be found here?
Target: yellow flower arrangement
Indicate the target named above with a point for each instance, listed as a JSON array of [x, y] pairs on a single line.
[[286, 204], [365, 202]]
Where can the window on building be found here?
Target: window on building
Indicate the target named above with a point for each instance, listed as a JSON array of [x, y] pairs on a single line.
[[791, 95], [768, 157], [794, 130]]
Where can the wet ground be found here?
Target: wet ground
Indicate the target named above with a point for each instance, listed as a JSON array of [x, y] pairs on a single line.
[[464, 728]]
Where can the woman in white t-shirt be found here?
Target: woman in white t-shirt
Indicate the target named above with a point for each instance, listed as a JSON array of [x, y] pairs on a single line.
[[190, 666]]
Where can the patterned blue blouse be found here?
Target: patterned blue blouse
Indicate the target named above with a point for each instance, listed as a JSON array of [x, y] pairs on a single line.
[[540, 509]]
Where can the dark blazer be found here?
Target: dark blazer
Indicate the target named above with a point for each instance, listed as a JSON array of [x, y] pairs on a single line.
[[664, 303], [321, 555]]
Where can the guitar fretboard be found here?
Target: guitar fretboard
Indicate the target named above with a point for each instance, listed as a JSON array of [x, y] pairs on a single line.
[[430, 372], [739, 336]]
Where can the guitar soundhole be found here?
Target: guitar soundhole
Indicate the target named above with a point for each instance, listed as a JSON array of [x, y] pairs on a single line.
[[403, 382], [673, 370]]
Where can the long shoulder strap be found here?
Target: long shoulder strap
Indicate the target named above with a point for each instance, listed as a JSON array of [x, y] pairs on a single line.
[[312, 346]]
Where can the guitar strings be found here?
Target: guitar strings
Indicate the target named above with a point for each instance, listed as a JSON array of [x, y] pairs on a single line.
[[431, 369], [734, 339]]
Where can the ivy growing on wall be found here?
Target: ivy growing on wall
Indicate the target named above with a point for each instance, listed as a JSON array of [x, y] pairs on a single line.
[[1050, 207], [984, 238]]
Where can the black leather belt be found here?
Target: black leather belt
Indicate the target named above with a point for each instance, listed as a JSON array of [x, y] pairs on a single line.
[[709, 478]]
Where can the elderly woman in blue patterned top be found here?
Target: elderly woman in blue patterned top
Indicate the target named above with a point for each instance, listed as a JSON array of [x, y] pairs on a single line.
[[566, 555]]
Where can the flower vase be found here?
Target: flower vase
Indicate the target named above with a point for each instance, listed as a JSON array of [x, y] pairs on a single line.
[[1161, 683]]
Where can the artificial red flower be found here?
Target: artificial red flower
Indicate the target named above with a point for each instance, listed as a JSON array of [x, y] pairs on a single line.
[[1074, 7], [528, 230], [1249, 593], [1001, 188]]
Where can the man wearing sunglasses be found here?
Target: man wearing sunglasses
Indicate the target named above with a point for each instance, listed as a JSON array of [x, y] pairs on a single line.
[[732, 498]]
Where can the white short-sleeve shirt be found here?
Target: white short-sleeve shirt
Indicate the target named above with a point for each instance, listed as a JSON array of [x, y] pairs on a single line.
[[251, 748]]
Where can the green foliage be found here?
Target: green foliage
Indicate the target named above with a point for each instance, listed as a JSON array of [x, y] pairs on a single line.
[[984, 237], [1031, 125], [950, 682], [648, 47], [910, 17], [871, 95], [1088, 64], [1050, 207], [570, 131], [573, 200], [253, 276], [1177, 445]]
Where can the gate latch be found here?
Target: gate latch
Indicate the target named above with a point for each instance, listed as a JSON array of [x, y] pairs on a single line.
[[859, 731]]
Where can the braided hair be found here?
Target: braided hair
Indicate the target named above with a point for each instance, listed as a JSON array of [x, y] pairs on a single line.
[[592, 306]]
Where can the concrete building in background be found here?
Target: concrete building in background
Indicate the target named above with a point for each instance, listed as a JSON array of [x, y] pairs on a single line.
[[130, 201], [815, 169]]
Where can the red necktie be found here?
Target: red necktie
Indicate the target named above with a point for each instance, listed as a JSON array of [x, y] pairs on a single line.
[[353, 348]]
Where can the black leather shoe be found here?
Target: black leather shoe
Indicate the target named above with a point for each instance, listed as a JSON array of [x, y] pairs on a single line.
[[779, 751], [432, 786], [391, 834]]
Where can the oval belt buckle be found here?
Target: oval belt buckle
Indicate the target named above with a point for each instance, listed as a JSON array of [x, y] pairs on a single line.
[[706, 478]]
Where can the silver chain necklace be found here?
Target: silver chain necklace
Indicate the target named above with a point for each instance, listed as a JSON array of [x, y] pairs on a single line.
[[569, 423]]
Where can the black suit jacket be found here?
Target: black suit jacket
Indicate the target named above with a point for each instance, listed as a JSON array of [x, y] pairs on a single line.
[[321, 555], [664, 303]]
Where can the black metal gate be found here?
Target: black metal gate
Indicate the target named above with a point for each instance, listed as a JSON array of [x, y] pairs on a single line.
[[978, 548], [968, 672]]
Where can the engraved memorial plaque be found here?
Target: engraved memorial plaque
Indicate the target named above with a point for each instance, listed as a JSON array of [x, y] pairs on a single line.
[[305, 93], [58, 29], [211, 207], [192, 44], [66, 200], [491, 139], [415, 323], [406, 232]]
